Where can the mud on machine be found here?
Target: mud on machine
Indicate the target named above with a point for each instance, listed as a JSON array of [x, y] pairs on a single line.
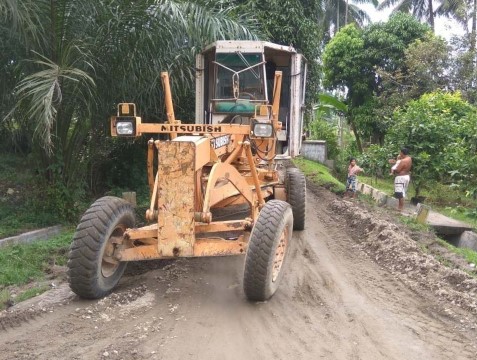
[[219, 186]]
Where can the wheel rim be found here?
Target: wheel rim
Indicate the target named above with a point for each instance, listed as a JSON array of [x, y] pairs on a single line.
[[280, 254], [109, 264]]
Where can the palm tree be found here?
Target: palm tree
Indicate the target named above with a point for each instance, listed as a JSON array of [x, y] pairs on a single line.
[[338, 13], [65, 63], [464, 11], [419, 8]]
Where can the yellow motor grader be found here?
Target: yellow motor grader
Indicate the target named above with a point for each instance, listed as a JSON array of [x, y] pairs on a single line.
[[219, 186]]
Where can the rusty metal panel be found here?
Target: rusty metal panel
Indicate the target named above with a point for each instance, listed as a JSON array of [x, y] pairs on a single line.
[[231, 225], [202, 149], [176, 198], [220, 247], [141, 233], [147, 252]]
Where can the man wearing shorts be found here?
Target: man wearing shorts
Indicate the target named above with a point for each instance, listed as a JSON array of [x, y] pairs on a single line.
[[402, 177]]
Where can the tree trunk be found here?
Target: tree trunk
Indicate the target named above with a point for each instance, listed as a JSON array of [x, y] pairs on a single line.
[[346, 13], [431, 15], [358, 139], [473, 34], [337, 17]]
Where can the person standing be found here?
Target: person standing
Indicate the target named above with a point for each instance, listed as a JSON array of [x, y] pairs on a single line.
[[402, 174], [351, 180]]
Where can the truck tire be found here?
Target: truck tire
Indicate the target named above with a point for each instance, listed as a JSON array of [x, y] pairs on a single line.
[[267, 249], [92, 272], [296, 196]]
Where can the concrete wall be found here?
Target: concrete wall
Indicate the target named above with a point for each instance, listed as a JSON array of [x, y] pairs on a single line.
[[314, 150], [29, 237]]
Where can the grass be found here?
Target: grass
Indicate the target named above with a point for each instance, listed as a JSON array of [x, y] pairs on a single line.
[[442, 199], [18, 219], [32, 292], [412, 223], [16, 216], [469, 255], [319, 174], [24, 263], [25, 267], [385, 185]]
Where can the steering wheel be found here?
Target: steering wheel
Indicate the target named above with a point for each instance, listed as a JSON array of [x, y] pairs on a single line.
[[247, 94]]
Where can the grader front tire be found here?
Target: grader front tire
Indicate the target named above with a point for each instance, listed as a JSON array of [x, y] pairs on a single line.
[[268, 246], [296, 196], [92, 271]]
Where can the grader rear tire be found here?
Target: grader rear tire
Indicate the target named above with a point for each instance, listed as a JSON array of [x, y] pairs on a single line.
[[296, 196], [92, 271], [267, 249]]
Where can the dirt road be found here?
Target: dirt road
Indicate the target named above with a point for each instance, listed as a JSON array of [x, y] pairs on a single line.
[[356, 287]]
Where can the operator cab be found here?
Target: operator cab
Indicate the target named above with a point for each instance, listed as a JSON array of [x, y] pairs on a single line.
[[235, 77], [239, 85]]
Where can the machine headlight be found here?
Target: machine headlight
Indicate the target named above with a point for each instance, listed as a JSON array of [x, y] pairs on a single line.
[[125, 128], [262, 130]]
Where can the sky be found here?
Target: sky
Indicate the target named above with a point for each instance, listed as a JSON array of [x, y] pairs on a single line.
[[443, 26]]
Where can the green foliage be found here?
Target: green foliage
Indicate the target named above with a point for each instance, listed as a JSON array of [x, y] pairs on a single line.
[[464, 72], [352, 61], [66, 63], [26, 262], [319, 174], [19, 194], [331, 102], [427, 63], [384, 184], [322, 130], [297, 26], [387, 42], [66, 204], [375, 160], [327, 122], [4, 298], [425, 68], [368, 124], [15, 219], [32, 292], [345, 62], [468, 254], [436, 128], [413, 224], [420, 9], [440, 131], [343, 158]]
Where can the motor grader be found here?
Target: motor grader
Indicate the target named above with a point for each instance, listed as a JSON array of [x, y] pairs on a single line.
[[218, 187]]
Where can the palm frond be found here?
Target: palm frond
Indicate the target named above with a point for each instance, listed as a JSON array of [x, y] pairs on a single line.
[[41, 93]]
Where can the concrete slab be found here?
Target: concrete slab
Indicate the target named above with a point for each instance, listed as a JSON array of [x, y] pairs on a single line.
[[445, 225], [441, 224], [392, 202], [28, 237], [367, 190], [422, 213], [468, 240], [380, 198]]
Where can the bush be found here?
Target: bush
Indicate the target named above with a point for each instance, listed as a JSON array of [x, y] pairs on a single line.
[[440, 130], [322, 130], [343, 158]]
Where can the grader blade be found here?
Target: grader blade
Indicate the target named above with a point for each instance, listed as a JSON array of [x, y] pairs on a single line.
[[178, 163]]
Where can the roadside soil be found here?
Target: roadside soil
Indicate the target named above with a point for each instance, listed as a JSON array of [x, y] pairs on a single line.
[[358, 285]]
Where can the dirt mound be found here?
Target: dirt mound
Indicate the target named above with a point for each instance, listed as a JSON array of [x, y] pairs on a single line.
[[410, 259]]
